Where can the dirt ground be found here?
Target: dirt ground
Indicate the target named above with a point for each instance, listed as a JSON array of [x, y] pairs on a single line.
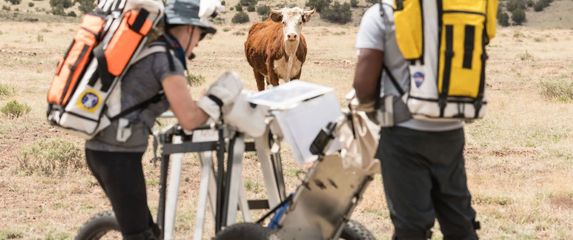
[[519, 158]]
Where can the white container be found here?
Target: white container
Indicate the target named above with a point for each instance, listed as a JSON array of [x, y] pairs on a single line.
[[301, 109]]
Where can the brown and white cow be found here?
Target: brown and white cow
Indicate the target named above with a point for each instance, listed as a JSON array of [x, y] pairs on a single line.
[[276, 48]]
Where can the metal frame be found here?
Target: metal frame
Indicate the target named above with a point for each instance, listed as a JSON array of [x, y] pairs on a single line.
[[221, 188]]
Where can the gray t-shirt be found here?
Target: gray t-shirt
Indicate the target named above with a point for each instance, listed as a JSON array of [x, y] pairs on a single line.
[[141, 82], [377, 32]]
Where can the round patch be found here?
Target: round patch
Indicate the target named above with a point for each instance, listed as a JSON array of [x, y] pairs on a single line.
[[90, 100], [418, 79]]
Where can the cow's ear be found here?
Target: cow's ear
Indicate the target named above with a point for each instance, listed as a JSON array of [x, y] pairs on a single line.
[[306, 15], [276, 15]]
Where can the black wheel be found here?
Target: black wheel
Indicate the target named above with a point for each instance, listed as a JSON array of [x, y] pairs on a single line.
[[353, 230], [101, 226], [241, 231]]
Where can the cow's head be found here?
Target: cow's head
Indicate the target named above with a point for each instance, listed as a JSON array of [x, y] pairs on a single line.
[[292, 20]]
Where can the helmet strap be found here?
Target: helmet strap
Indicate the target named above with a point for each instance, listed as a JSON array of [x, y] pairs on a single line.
[[190, 41]]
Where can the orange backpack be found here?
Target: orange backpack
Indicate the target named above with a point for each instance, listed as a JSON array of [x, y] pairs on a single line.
[[85, 88]]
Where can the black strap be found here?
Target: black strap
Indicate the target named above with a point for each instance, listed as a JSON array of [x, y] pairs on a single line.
[[449, 55], [479, 101], [469, 42], [139, 20], [155, 99], [394, 81], [216, 100], [102, 69]]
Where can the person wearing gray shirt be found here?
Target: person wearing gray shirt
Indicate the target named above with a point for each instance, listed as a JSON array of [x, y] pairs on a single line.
[[114, 158], [423, 169]]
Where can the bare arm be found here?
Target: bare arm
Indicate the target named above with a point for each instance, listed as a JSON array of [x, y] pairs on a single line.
[[190, 116], [367, 74]]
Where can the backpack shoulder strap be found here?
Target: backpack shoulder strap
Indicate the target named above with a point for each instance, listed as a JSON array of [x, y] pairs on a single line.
[[151, 49]]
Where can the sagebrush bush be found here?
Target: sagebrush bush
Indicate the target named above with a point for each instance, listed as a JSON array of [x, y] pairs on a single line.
[[248, 2], [196, 80], [86, 6], [263, 10], [337, 13], [354, 3], [52, 157], [240, 17], [14, 2], [14, 109], [558, 90], [503, 19], [31, 4], [239, 8], [518, 16], [318, 5], [250, 8], [6, 91]]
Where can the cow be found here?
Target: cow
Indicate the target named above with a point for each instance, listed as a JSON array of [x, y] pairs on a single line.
[[276, 48]]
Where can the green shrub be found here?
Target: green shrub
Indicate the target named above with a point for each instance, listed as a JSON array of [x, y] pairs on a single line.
[[530, 3], [14, 2], [14, 109], [518, 16], [31, 4], [512, 5], [196, 80], [248, 2], [72, 14], [223, 3], [239, 8], [250, 8], [354, 3], [503, 19], [58, 6], [558, 90], [337, 13], [6, 91], [263, 10], [86, 6], [541, 4], [240, 17], [51, 157], [6, 8], [318, 5]]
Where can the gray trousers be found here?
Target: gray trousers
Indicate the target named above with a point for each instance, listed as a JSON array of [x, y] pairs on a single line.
[[424, 178]]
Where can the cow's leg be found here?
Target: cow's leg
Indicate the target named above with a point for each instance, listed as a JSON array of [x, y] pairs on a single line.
[[260, 80], [297, 76], [273, 77]]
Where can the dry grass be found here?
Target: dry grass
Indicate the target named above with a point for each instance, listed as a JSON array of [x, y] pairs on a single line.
[[15, 109], [52, 157], [519, 158]]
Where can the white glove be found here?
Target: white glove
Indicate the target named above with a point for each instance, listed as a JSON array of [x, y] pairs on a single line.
[[221, 95], [247, 118]]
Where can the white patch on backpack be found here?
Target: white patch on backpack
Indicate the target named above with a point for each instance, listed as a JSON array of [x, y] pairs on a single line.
[[419, 79]]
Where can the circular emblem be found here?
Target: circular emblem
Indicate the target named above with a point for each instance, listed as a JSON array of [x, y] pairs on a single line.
[[418, 79], [90, 100]]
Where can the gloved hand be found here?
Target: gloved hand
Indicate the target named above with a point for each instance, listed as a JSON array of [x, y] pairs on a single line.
[[247, 118], [221, 95]]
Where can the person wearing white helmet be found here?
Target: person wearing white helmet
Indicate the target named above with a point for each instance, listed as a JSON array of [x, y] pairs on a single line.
[[114, 155]]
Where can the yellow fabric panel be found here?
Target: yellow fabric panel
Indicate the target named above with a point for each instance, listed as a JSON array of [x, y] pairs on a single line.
[[463, 82], [492, 6], [465, 5], [408, 22]]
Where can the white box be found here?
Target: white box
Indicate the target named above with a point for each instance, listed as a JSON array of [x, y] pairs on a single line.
[[301, 110]]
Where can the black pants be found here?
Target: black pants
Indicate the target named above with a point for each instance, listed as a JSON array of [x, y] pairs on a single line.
[[424, 177], [120, 174]]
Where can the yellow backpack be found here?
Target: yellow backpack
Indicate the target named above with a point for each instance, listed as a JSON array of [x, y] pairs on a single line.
[[444, 41]]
